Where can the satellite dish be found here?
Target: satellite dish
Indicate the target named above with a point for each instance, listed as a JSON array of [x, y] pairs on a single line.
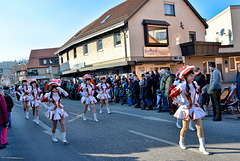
[[222, 32]]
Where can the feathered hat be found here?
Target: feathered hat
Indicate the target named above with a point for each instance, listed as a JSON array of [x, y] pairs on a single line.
[[185, 70], [55, 82]]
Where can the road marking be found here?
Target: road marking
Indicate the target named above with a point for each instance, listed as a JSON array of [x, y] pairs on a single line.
[[77, 116], [161, 140], [145, 117], [17, 158], [48, 130]]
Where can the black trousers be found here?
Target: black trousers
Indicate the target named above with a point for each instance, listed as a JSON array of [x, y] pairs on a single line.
[[217, 109]]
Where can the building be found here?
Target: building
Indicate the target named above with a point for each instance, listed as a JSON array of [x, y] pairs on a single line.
[[7, 72], [137, 35], [21, 72], [224, 28], [43, 64]]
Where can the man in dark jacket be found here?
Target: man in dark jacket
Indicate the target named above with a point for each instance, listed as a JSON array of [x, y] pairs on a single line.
[[3, 116], [155, 87], [136, 91], [200, 78], [148, 92], [169, 81], [10, 104]]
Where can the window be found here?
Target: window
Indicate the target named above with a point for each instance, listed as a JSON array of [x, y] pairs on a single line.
[[57, 61], [117, 39], [85, 49], [156, 35], [51, 61], [106, 18], [61, 60], [99, 45], [44, 61], [169, 9], [67, 56], [75, 53], [232, 65], [192, 36]]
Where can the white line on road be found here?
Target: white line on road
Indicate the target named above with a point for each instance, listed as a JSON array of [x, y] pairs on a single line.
[[77, 116], [17, 158], [161, 140], [145, 117]]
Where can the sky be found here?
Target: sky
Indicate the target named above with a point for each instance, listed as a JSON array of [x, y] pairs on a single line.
[[37, 24]]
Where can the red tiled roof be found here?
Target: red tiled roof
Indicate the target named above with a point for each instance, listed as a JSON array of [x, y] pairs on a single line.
[[35, 55], [120, 13]]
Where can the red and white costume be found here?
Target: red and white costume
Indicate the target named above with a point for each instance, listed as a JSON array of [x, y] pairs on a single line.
[[103, 89], [87, 92], [36, 95], [189, 109], [55, 110]]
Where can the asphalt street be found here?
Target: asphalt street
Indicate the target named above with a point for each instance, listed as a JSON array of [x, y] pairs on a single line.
[[128, 134]]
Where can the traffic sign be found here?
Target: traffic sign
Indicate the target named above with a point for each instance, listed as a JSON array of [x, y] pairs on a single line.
[[11, 79], [50, 68]]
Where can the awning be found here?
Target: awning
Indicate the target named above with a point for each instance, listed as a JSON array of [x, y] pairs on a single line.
[[155, 22]]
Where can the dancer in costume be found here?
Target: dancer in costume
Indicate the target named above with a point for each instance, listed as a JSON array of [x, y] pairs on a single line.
[[24, 91], [186, 95], [36, 96], [103, 89], [87, 91], [55, 110]]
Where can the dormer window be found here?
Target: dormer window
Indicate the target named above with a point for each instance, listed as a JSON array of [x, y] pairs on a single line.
[[106, 18]]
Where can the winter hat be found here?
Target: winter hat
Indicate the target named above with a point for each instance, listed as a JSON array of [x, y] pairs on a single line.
[[204, 89], [162, 71], [212, 64], [141, 83]]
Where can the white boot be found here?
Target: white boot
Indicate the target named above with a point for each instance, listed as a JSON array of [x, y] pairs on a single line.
[[54, 138], [202, 148], [108, 110], [100, 110], [27, 113], [64, 137], [37, 120], [181, 143], [191, 126], [178, 124], [84, 118], [95, 117], [34, 120]]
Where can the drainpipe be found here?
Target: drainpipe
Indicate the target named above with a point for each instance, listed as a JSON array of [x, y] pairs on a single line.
[[125, 44]]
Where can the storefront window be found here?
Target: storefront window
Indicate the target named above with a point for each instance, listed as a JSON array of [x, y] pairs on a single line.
[[232, 63], [156, 35]]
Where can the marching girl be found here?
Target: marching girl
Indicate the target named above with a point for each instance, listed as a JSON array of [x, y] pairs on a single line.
[[36, 96], [103, 89], [55, 111], [87, 91], [186, 95], [24, 91]]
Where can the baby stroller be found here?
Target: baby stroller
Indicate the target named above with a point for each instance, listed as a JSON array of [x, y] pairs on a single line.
[[229, 100]]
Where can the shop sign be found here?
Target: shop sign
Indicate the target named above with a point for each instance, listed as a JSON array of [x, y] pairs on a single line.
[[156, 52], [80, 65]]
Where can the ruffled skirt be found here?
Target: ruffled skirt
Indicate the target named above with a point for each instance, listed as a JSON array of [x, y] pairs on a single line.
[[103, 96], [35, 103], [25, 98], [57, 114], [88, 100], [189, 114]]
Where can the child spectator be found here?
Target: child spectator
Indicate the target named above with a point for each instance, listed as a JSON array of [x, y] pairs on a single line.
[[116, 92], [205, 100], [129, 95], [121, 94]]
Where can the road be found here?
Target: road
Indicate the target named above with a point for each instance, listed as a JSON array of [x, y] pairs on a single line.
[[128, 134]]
